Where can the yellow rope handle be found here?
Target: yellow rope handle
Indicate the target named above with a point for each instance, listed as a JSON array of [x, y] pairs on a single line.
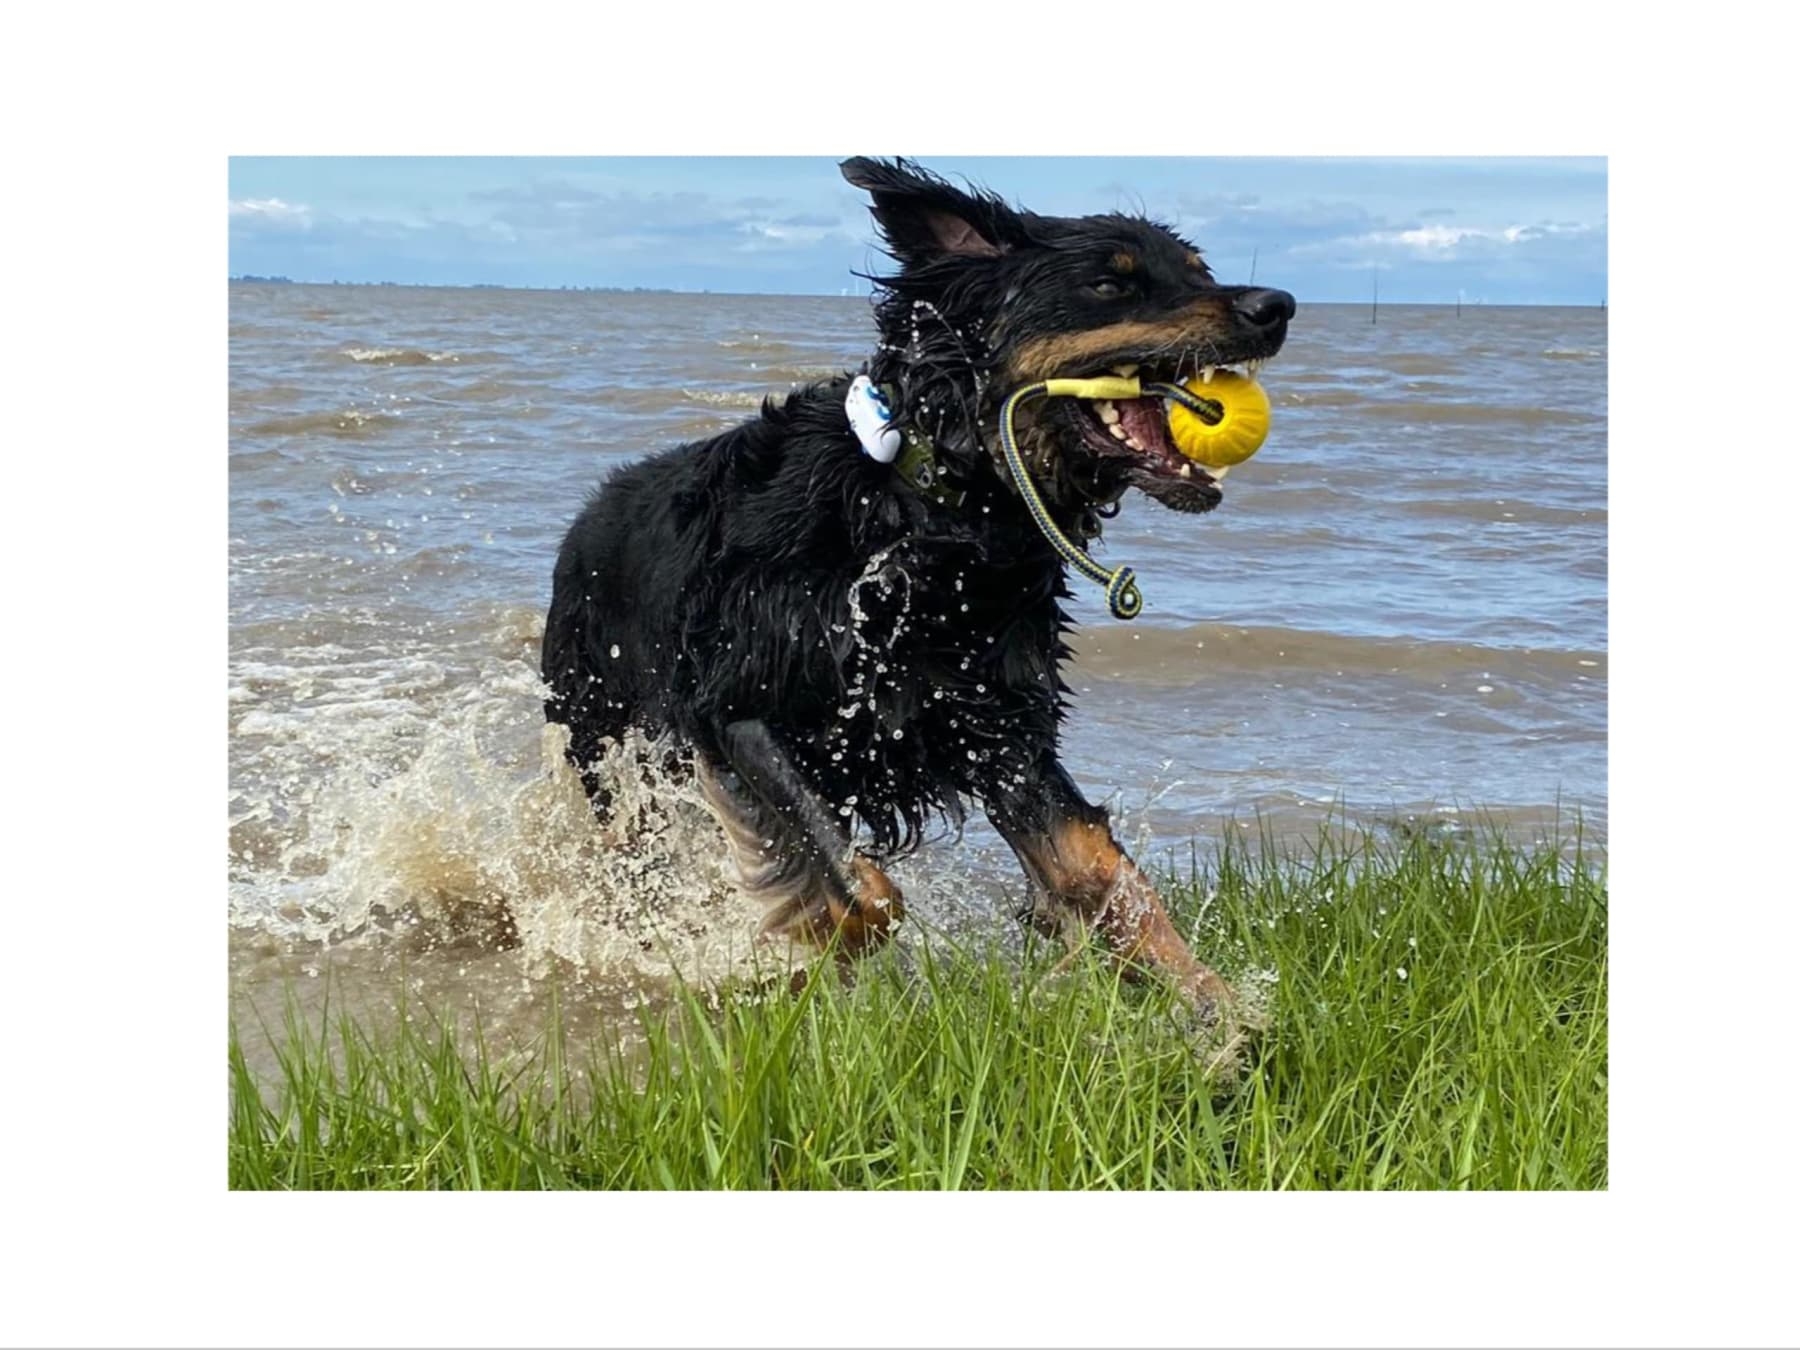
[[1106, 386]]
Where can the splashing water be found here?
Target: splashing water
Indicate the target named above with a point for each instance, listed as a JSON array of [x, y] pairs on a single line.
[[477, 832], [399, 800]]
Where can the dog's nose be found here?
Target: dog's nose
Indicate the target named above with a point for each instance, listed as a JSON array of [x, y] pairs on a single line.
[[1264, 308]]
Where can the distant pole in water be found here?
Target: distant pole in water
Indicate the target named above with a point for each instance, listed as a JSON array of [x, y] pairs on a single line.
[[1375, 291], [1253, 266], [1459, 302]]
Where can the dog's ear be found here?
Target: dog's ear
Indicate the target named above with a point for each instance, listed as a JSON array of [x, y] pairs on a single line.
[[922, 217]]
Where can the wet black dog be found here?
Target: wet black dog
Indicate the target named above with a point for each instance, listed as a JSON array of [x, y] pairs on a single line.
[[841, 645]]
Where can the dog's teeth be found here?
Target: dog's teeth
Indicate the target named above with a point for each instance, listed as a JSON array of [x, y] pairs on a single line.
[[1127, 370], [1206, 374], [1108, 413], [1187, 470], [1118, 432]]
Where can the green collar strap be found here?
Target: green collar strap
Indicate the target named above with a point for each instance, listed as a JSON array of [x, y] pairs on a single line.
[[917, 462]]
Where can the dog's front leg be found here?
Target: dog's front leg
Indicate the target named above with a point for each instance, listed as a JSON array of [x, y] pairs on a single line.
[[795, 850], [1082, 876]]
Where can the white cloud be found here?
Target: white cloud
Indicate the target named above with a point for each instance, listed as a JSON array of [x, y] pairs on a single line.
[[792, 234], [1443, 241], [271, 211], [783, 232], [1432, 238], [1520, 233]]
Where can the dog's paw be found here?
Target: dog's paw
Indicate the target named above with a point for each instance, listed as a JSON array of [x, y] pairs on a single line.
[[1225, 1023], [879, 908]]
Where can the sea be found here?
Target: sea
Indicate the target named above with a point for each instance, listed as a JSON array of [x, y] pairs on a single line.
[[1396, 620]]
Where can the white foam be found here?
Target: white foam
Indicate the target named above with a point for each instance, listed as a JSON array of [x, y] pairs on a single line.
[[376, 797]]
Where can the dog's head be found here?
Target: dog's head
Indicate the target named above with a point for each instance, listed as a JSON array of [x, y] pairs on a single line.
[[988, 298]]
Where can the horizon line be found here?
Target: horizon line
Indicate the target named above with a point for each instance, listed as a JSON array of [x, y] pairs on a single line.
[[843, 294]]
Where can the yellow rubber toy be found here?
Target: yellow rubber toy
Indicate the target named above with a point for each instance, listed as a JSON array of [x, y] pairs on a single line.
[[1237, 435]]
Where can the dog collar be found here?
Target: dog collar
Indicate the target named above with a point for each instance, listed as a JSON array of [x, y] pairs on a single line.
[[918, 466]]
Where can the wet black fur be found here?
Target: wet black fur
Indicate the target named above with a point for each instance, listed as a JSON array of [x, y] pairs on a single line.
[[724, 573]]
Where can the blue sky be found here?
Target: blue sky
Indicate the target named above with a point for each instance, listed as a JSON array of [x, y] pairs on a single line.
[[1499, 230]]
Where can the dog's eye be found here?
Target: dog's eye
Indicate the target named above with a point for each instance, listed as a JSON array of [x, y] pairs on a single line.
[[1107, 289]]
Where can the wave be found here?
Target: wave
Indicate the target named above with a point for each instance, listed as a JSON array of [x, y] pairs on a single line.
[[1476, 414], [248, 399], [1442, 413], [1211, 651], [757, 343], [803, 374], [517, 390], [1419, 364], [351, 423], [726, 398], [1331, 396], [687, 430], [660, 402], [1497, 512], [398, 356]]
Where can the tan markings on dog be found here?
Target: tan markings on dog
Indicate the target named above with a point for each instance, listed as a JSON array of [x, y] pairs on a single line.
[[1124, 262], [813, 915], [1050, 357], [802, 902], [1080, 863], [1193, 260], [1084, 869], [879, 904]]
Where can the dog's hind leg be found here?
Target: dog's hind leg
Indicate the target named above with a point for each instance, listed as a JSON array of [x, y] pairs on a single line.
[[793, 851], [1083, 876]]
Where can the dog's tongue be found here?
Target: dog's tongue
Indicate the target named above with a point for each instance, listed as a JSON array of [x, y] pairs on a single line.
[[1146, 422]]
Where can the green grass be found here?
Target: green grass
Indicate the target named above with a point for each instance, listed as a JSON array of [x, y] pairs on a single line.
[[1483, 1066]]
